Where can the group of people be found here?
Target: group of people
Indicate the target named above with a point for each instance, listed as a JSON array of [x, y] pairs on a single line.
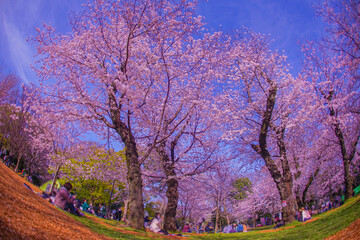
[[208, 227], [101, 211], [234, 228], [98, 211], [7, 159], [200, 227], [304, 214], [68, 202]]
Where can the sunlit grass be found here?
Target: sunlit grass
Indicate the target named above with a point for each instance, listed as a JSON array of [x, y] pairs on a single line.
[[107, 231], [326, 224]]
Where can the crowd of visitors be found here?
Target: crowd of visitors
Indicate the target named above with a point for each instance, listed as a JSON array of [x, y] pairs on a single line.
[[208, 227], [304, 214], [68, 202]]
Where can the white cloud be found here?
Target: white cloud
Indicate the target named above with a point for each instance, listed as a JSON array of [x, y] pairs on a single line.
[[20, 52], [17, 23]]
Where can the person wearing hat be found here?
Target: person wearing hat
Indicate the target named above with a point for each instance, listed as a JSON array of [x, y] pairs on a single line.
[[186, 228]]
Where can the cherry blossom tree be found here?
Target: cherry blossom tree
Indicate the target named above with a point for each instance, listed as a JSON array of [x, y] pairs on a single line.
[[219, 189], [335, 88], [117, 66], [189, 199], [342, 17], [263, 197], [15, 124], [37, 164], [13, 117], [333, 67], [310, 151], [9, 88], [194, 202], [14, 121], [187, 152], [184, 165], [262, 102], [183, 132], [50, 132]]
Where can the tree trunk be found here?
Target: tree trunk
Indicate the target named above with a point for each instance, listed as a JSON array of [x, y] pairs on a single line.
[[217, 220], [311, 179], [227, 216], [348, 180], [172, 184], [346, 160], [136, 206], [220, 226], [17, 164], [299, 201], [348, 156], [125, 209], [283, 179], [172, 195], [55, 178], [109, 204], [288, 202]]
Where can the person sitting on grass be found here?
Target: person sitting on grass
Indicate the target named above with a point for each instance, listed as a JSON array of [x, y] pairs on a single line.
[[65, 201], [146, 221], [85, 206], [200, 226], [233, 229], [186, 228], [239, 228], [155, 225], [305, 215], [279, 224], [209, 227]]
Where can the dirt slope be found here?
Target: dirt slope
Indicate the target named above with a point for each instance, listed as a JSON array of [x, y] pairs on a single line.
[[25, 215], [352, 232]]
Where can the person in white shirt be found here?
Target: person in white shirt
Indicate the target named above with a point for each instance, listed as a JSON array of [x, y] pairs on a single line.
[[306, 215], [155, 225]]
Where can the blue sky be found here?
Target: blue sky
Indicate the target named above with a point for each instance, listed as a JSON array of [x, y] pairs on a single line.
[[287, 22]]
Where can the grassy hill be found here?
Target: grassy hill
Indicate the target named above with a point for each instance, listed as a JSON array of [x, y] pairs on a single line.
[[25, 215]]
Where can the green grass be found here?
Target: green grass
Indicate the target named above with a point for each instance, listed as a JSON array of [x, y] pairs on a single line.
[[263, 228], [106, 231], [327, 224]]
